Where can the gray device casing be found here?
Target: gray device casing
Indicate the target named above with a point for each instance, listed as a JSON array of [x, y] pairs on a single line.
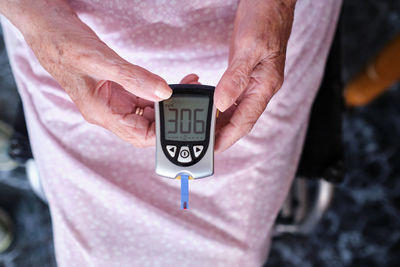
[[203, 168]]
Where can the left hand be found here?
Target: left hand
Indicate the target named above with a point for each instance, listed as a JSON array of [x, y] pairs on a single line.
[[256, 66]]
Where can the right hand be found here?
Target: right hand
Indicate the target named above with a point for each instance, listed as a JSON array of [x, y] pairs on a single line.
[[106, 88]]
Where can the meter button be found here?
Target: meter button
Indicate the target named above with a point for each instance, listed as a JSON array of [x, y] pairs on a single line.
[[197, 150], [184, 155], [171, 150]]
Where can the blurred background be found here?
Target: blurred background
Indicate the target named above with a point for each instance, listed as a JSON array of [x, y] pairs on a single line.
[[362, 224]]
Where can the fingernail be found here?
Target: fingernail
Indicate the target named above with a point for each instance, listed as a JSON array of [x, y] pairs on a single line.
[[221, 104], [163, 94]]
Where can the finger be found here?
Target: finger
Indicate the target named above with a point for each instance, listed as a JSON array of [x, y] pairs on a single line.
[[115, 97], [130, 118], [190, 79], [136, 130], [241, 122], [148, 113], [115, 109], [102, 63], [144, 103], [141, 83], [233, 82], [265, 81]]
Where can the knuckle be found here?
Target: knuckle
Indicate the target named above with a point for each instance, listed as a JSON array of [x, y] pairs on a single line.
[[274, 74], [260, 107], [240, 74], [247, 127], [128, 74], [122, 69], [277, 82], [87, 116], [244, 127], [240, 78], [261, 101]]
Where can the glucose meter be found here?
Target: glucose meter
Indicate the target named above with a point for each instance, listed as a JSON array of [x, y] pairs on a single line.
[[185, 127]]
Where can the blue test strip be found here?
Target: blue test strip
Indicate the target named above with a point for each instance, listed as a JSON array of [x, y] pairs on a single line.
[[184, 191]]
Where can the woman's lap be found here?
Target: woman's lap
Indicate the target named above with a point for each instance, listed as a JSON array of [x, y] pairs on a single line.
[[108, 207]]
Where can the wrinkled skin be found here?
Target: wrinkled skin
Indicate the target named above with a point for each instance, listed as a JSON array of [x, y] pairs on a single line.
[[107, 89], [256, 65]]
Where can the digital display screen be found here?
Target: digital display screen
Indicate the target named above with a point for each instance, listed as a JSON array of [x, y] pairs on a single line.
[[185, 118]]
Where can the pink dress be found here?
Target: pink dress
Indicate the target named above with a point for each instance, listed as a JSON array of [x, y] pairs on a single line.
[[107, 205]]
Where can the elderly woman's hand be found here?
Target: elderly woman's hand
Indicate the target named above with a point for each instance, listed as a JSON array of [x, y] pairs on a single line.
[[256, 65], [108, 90]]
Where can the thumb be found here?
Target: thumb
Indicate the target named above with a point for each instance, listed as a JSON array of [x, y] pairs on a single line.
[[233, 82]]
